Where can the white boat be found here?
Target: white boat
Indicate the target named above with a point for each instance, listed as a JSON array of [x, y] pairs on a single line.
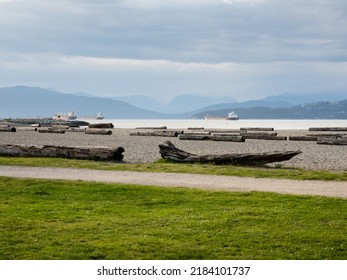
[[69, 116], [230, 116]]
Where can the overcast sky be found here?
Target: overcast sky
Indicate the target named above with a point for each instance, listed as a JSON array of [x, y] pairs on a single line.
[[246, 49]]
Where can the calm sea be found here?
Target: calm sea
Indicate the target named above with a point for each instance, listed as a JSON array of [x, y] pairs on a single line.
[[224, 124]]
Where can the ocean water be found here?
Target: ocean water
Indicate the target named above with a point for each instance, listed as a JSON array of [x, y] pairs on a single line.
[[223, 124]]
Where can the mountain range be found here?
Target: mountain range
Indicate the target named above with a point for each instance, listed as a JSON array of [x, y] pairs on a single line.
[[26, 102]]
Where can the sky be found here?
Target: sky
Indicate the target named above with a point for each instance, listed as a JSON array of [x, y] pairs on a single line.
[[245, 49]]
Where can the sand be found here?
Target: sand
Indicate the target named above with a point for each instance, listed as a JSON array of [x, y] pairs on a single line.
[[142, 149]]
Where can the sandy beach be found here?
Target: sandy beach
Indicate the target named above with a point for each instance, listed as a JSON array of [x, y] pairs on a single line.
[[141, 149]]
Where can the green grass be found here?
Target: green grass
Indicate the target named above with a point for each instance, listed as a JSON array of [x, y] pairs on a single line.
[[167, 166], [47, 219]]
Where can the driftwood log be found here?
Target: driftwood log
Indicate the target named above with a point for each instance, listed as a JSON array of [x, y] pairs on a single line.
[[257, 128], [7, 129], [152, 127], [101, 125], [169, 151], [228, 138], [163, 133], [194, 136], [91, 153], [51, 130], [332, 141], [303, 138], [327, 129], [98, 131]]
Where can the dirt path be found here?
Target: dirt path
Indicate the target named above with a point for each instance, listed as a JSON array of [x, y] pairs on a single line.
[[211, 182]]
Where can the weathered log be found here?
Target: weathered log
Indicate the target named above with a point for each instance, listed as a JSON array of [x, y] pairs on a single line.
[[303, 138], [190, 132], [169, 151], [257, 128], [98, 131], [153, 127], [225, 134], [91, 153], [58, 126], [327, 134], [7, 129], [332, 141], [164, 133], [51, 130], [101, 125], [26, 128], [224, 131], [264, 137], [194, 137], [228, 138], [327, 129]]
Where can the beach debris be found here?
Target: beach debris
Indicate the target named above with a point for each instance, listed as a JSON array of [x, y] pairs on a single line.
[[98, 131], [332, 141], [327, 129], [162, 133], [90, 153], [169, 151], [101, 125]]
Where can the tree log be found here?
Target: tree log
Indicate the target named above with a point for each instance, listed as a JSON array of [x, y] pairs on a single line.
[[327, 129], [169, 151], [264, 137], [101, 125], [91, 153], [154, 127], [98, 131], [228, 138], [51, 130], [332, 141], [303, 138], [257, 128], [164, 133], [7, 129], [194, 136]]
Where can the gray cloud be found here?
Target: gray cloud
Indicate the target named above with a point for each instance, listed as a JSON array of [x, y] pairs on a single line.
[[243, 48]]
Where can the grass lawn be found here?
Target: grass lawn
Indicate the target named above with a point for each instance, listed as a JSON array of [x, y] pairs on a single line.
[[167, 166], [48, 219]]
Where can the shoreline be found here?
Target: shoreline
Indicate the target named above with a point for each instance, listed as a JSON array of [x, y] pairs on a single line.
[[144, 149]]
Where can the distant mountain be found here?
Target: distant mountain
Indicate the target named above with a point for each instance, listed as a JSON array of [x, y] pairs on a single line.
[[178, 105], [141, 101], [190, 102], [302, 98], [316, 110], [22, 101]]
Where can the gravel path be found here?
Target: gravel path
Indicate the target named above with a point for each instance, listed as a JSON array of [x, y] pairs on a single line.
[[211, 182]]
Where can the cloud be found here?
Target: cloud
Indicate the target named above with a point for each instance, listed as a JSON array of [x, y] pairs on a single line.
[[246, 48]]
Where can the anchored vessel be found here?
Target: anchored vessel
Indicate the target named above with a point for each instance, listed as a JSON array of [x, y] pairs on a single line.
[[230, 116]]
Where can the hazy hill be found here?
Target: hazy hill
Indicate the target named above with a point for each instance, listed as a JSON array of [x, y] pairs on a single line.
[[22, 101], [316, 110]]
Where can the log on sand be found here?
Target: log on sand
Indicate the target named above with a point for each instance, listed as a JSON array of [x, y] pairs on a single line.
[[169, 151], [164, 133], [7, 129], [98, 131], [101, 125], [327, 129], [303, 138], [90, 153], [51, 130], [332, 141]]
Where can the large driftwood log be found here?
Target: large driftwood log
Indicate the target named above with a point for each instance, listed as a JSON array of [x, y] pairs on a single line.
[[303, 138], [152, 127], [257, 128], [228, 138], [327, 129], [98, 131], [7, 129], [101, 125], [169, 151], [332, 141], [51, 130], [164, 133], [91, 153], [194, 136]]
